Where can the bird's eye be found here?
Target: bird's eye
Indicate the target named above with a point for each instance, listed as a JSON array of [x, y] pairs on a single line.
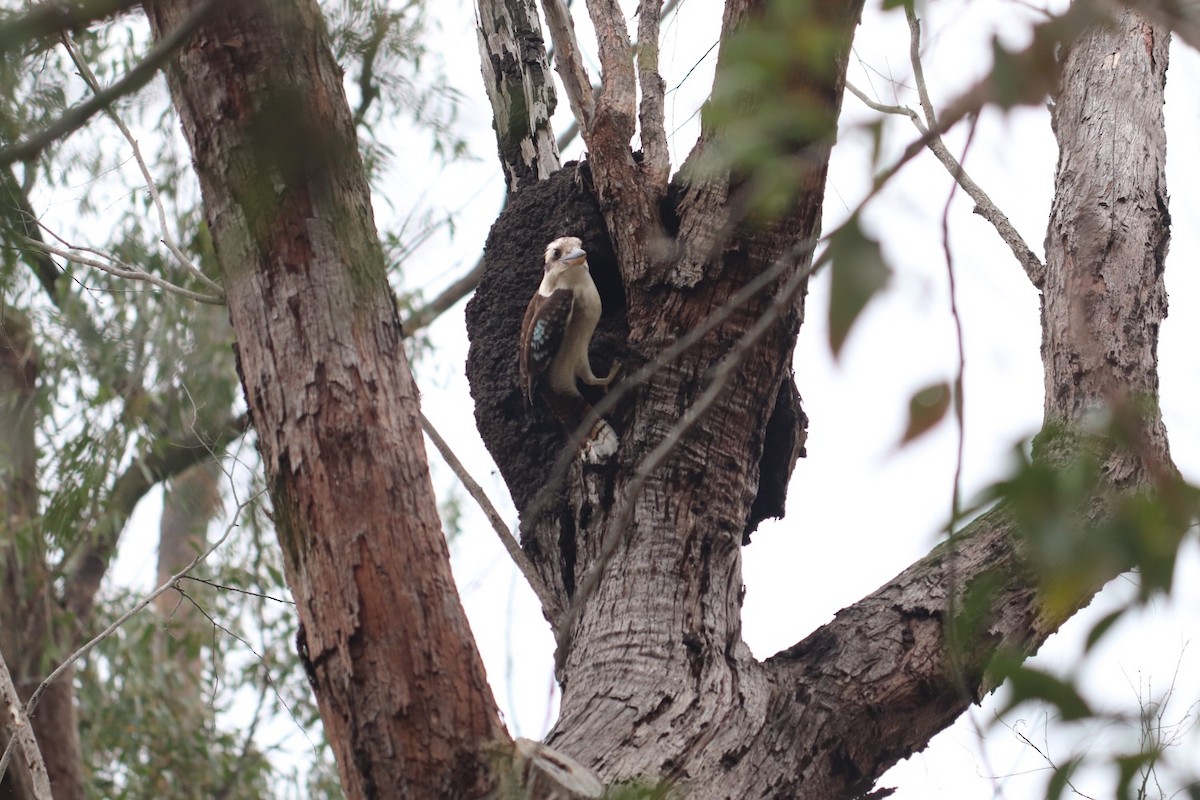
[[556, 254]]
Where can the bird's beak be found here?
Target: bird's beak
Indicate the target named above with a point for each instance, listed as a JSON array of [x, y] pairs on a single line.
[[574, 257]]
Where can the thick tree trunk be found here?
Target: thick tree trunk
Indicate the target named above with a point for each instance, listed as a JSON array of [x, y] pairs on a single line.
[[400, 686], [28, 637]]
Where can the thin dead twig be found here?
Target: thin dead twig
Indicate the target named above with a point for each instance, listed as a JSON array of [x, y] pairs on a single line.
[[549, 602], [118, 269], [90, 78]]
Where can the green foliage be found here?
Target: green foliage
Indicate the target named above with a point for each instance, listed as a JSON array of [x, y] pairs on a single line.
[[774, 102], [1030, 684], [1081, 523], [394, 75], [1081, 527], [171, 703], [859, 273]]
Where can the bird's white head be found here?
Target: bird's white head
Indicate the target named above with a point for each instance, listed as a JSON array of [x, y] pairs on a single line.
[[565, 252]]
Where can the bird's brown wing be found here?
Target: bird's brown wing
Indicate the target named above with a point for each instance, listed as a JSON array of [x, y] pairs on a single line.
[[542, 333]]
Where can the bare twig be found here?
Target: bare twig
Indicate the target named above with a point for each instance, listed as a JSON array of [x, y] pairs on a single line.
[[550, 604], [22, 734], [167, 239], [77, 116], [984, 207], [119, 269], [217, 626], [914, 57], [171, 583], [568, 62]]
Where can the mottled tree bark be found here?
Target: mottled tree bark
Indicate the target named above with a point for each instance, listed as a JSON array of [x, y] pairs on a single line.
[[400, 686], [657, 681]]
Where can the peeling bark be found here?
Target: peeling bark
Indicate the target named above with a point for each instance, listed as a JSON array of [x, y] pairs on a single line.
[[516, 75]]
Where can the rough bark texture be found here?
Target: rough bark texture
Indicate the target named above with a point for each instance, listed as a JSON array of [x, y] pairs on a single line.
[[658, 681], [1106, 244], [28, 635], [400, 686]]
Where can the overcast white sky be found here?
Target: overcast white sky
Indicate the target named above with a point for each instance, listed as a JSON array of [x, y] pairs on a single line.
[[858, 510]]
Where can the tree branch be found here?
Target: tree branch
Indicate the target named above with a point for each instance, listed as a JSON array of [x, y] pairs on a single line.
[[23, 219], [616, 104], [516, 75], [984, 207], [656, 162], [913, 668], [568, 62], [167, 239], [456, 291], [550, 605], [105, 263], [77, 116], [368, 90], [50, 18]]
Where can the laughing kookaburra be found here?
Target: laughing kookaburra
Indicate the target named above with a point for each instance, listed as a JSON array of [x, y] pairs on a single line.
[[555, 335]]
